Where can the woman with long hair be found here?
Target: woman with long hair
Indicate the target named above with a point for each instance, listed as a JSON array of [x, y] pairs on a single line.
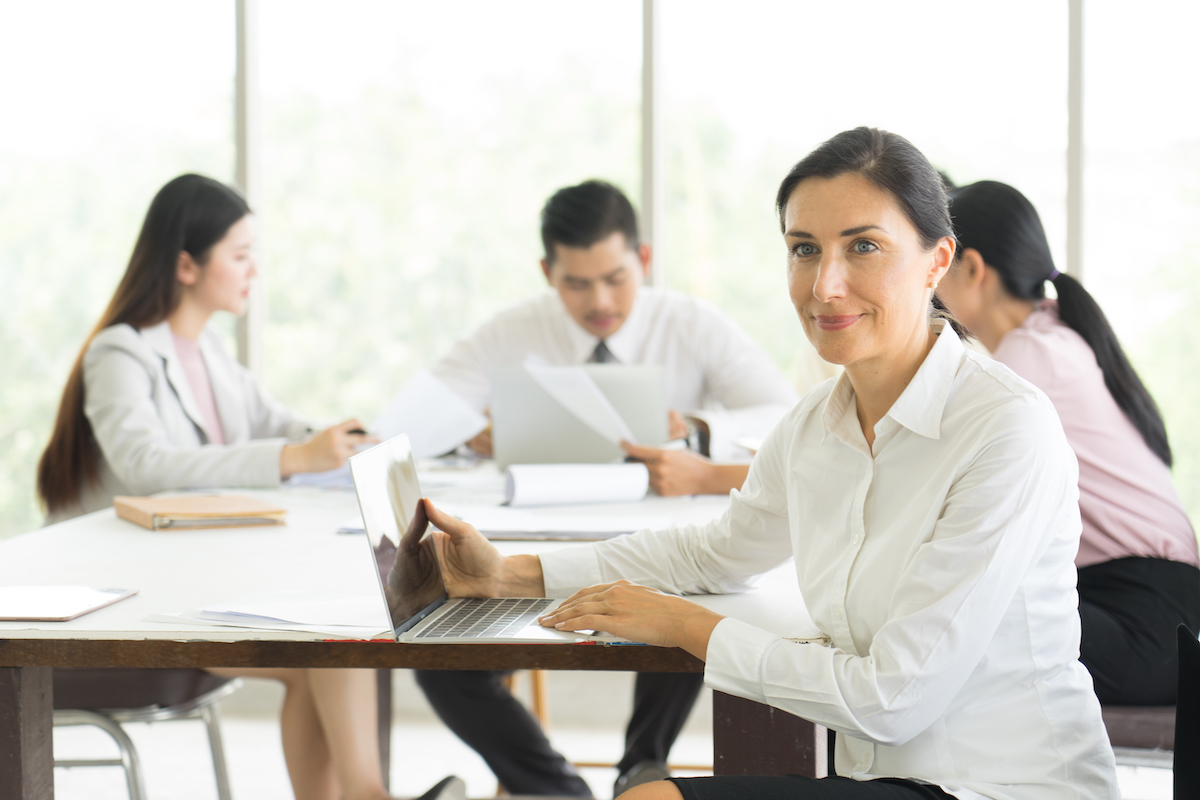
[[1137, 560], [153, 402], [928, 499]]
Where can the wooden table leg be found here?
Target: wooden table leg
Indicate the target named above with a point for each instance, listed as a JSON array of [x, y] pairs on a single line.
[[750, 738], [26, 733]]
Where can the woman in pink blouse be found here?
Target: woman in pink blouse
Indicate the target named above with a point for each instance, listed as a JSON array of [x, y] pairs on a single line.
[[1137, 561]]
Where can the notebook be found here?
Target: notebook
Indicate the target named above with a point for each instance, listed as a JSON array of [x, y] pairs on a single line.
[[407, 570], [197, 511], [55, 603]]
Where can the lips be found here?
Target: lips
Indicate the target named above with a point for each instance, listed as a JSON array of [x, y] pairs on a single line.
[[836, 322]]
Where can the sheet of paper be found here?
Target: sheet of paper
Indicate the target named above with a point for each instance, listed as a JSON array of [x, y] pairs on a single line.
[[302, 607], [435, 419], [575, 391], [567, 484], [192, 618]]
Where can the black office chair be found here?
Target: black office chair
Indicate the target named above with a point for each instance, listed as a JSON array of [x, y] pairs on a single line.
[[1187, 718], [106, 698]]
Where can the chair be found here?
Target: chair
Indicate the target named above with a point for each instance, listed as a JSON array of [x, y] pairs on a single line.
[[108, 698], [1187, 718], [1141, 736]]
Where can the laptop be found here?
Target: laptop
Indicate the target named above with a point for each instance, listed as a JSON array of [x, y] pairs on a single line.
[[407, 570], [529, 426]]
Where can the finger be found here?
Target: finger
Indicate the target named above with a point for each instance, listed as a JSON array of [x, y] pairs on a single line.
[[640, 452], [451, 525]]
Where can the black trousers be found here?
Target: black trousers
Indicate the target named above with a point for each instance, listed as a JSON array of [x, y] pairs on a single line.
[[483, 713], [800, 787], [1129, 609]]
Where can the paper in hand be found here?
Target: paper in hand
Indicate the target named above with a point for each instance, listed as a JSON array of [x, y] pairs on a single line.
[[575, 391], [435, 419]]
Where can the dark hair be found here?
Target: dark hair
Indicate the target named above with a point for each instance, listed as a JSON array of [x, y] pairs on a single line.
[[580, 216], [1000, 222], [190, 214], [893, 164]]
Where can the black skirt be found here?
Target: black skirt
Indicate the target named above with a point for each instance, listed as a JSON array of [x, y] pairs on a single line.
[[1129, 609]]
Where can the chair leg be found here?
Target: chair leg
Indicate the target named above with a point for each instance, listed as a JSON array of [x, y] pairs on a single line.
[[129, 757], [217, 745], [539, 699]]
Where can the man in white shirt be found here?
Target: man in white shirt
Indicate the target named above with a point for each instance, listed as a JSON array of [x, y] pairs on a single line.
[[597, 310]]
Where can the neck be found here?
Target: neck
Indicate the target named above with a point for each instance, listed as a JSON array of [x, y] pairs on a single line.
[[1003, 316], [878, 383], [188, 320]]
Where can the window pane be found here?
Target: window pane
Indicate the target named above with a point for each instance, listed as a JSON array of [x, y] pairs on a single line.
[[409, 148], [980, 88], [111, 102], [1142, 203]]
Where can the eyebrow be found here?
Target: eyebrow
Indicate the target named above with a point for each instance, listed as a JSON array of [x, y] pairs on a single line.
[[847, 232], [610, 275]]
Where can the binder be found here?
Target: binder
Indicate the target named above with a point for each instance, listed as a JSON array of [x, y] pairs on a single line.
[[198, 511]]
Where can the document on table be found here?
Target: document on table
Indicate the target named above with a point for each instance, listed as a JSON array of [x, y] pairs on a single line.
[[575, 391], [338, 614], [502, 522]]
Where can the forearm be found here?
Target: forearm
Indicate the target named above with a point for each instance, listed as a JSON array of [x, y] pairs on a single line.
[[723, 478], [521, 576]]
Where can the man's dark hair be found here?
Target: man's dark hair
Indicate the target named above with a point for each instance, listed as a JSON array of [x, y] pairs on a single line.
[[579, 216]]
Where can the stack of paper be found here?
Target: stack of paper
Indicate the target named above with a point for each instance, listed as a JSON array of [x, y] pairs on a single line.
[[344, 616]]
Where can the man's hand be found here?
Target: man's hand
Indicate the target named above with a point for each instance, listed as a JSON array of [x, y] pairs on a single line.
[[473, 567], [676, 426], [677, 472], [637, 613], [481, 442]]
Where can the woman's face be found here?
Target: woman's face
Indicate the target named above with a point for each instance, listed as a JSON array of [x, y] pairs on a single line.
[[858, 274], [223, 282]]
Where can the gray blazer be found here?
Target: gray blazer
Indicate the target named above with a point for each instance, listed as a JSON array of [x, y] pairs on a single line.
[[150, 431]]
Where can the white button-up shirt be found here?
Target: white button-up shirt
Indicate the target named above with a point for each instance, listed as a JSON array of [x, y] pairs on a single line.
[[712, 369], [939, 566]]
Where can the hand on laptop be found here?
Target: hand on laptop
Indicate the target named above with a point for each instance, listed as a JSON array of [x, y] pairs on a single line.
[[637, 613], [473, 567], [328, 450]]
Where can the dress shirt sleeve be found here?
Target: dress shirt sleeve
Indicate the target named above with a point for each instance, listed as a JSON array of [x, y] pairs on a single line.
[[137, 444], [722, 557], [998, 518], [738, 374]]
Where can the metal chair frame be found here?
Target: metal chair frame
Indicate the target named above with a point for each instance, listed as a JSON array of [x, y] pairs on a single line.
[[203, 708]]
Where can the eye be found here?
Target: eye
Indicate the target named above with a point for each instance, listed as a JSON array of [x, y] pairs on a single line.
[[805, 249], [863, 246]]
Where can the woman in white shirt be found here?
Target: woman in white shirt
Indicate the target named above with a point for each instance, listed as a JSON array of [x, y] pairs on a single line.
[[928, 497], [154, 402]]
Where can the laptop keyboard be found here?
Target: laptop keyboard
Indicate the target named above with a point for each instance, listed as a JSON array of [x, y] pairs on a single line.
[[496, 618]]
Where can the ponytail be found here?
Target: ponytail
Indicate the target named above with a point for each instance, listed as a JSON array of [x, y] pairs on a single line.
[[1003, 226], [940, 311], [1079, 310]]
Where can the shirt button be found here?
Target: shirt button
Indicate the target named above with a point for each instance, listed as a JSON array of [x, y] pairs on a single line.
[[837, 612], [856, 539]]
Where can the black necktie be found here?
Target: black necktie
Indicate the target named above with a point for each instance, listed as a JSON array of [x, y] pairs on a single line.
[[602, 355]]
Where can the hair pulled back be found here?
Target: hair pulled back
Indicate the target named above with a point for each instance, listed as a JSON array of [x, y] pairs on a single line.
[[1003, 226], [188, 215], [891, 163]]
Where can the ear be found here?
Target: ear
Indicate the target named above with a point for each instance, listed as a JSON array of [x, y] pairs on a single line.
[[545, 269], [187, 271], [644, 254], [943, 258], [972, 266]]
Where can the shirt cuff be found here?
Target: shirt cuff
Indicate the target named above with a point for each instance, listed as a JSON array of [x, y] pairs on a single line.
[[735, 658], [567, 570]]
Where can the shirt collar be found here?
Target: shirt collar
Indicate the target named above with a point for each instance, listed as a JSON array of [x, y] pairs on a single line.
[[920, 406], [623, 344]]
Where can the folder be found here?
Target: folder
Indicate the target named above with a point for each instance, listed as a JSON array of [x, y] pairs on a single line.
[[198, 511]]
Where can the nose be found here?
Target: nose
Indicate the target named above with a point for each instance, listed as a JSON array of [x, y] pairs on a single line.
[[253, 271], [830, 283], [602, 296]]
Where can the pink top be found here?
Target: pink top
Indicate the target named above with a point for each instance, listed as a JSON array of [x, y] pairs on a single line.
[[197, 375], [1128, 503]]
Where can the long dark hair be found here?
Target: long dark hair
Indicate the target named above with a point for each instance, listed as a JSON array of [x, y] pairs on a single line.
[[190, 214], [893, 164], [1001, 223]]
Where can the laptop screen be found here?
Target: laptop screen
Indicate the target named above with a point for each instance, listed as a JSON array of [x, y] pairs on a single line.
[[389, 497]]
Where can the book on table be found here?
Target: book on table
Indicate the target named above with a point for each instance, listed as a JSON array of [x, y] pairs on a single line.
[[198, 511]]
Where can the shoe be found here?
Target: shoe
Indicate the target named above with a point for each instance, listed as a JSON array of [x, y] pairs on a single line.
[[643, 772], [448, 788]]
